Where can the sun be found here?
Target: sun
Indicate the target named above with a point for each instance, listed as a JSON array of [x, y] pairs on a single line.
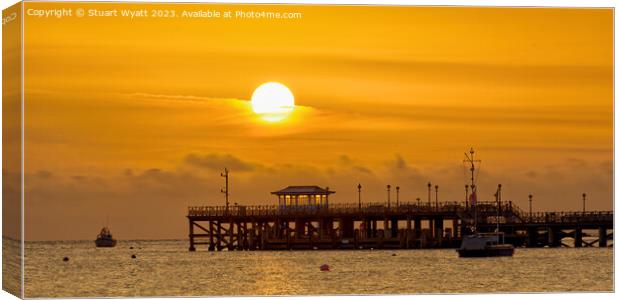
[[273, 101]]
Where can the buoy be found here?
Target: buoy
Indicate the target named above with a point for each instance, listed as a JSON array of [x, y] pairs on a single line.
[[133, 256], [130, 247], [393, 254], [324, 268], [65, 259]]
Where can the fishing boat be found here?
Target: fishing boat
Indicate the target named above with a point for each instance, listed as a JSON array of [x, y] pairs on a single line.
[[485, 245], [481, 244], [104, 238]]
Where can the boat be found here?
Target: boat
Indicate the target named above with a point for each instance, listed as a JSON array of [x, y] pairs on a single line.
[[485, 245], [104, 238], [481, 244]]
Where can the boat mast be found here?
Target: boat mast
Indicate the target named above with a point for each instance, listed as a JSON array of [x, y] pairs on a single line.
[[498, 200], [471, 161]]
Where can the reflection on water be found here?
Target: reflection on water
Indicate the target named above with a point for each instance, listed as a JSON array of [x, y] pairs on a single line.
[[166, 268]]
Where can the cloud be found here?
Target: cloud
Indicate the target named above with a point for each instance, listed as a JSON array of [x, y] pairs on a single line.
[[137, 200], [43, 174], [219, 162], [170, 97]]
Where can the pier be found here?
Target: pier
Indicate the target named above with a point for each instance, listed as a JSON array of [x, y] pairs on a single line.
[[384, 226]]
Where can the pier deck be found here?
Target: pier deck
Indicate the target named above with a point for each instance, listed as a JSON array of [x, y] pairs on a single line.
[[379, 226]]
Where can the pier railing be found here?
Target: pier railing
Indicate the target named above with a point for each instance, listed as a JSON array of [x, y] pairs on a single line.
[[570, 217], [333, 208], [509, 212]]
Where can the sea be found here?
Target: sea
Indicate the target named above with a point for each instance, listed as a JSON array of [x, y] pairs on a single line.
[[167, 268]]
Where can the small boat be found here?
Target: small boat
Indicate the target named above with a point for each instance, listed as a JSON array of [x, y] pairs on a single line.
[[485, 245], [104, 239]]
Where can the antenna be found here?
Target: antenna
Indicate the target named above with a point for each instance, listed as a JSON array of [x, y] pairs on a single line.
[[225, 190], [472, 162]]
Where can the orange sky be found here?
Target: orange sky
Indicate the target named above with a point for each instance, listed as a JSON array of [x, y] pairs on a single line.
[[135, 119]]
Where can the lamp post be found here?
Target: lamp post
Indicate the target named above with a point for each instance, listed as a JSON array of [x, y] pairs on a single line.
[[388, 194], [436, 197], [530, 196], [429, 194], [418, 199], [225, 190], [397, 196], [359, 195], [584, 202]]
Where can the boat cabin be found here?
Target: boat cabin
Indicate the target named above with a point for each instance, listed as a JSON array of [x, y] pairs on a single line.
[[303, 196]]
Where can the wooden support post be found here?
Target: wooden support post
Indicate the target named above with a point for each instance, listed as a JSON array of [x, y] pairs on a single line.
[[578, 237], [402, 238], [439, 230], [455, 228], [385, 228], [252, 238], [374, 228], [323, 232], [408, 237], [191, 236], [431, 227], [532, 237], [554, 237], [602, 236], [329, 227], [219, 235], [231, 229], [277, 229], [417, 225], [348, 231], [394, 227], [342, 228], [299, 228], [262, 232], [240, 236], [211, 244], [287, 232]]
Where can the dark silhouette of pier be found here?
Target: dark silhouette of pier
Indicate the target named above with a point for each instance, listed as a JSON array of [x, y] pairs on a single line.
[[382, 226]]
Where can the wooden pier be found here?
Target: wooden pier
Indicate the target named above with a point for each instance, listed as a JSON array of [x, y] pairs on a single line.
[[384, 226]]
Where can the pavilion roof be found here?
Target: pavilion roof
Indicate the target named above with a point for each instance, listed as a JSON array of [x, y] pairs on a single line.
[[303, 190]]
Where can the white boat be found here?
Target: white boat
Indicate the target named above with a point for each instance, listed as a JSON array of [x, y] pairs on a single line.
[[485, 245]]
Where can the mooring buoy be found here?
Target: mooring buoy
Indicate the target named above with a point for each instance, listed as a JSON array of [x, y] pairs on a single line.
[[133, 256], [324, 268], [65, 259]]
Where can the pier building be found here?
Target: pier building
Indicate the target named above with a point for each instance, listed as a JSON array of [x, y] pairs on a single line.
[[308, 196]]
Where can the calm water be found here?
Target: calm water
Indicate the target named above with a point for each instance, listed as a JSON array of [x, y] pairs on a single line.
[[165, 268]]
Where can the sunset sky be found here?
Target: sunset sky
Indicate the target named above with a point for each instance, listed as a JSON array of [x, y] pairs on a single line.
[[135, 120]]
